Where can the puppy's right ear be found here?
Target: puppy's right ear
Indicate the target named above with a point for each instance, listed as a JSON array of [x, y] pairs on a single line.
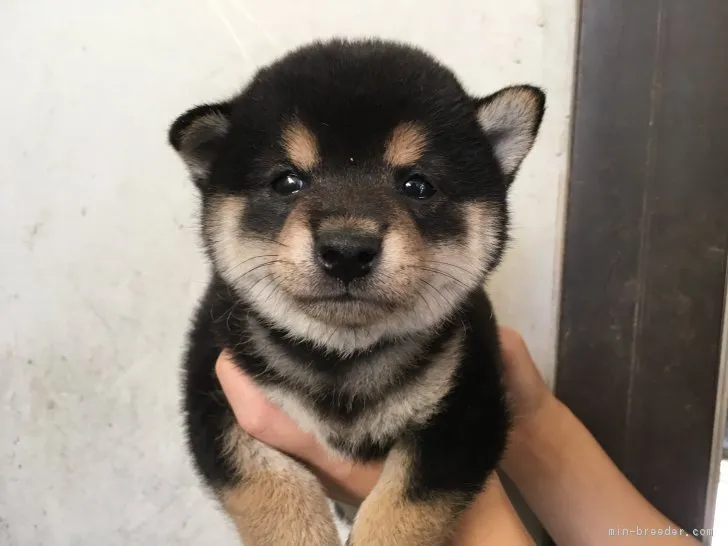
[[197, 135]]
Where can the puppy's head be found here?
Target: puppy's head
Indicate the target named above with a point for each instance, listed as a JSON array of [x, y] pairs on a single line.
[[354, 190]]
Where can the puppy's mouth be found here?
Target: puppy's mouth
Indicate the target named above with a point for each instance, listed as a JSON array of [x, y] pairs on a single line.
[[346, 307], [346, 297]]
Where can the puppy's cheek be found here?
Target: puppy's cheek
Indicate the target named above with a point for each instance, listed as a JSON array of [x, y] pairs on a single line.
[[461, 264], [240, 257], [482, 221]]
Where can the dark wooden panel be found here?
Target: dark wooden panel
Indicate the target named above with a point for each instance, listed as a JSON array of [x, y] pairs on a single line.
[[646, 238]]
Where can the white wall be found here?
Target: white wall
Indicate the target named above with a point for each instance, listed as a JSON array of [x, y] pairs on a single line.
[[99, 267]]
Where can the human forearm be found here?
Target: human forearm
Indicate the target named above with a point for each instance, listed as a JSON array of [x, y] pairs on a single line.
[[574, 488]]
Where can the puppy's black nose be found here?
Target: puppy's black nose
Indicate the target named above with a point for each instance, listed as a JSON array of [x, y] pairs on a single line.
[[347, 255]]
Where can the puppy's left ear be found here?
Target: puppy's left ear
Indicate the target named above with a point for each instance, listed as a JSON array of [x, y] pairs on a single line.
[[197, 135], [510, 119]]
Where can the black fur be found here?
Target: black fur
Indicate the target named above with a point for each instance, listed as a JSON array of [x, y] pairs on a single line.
[[351, 95], [207, 411], [461, 445]]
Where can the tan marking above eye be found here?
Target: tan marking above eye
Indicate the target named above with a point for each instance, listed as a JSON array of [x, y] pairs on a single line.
[[406, 144], [300, 145]]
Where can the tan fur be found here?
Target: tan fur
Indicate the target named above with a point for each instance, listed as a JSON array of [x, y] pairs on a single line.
[[301, 146], [403, 251], [277, 502], [222, 223], [466, 261], [406, 144], [388, 518]]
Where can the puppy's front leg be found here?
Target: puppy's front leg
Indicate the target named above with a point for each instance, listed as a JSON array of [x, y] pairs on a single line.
[[392, 515], [276, 501]]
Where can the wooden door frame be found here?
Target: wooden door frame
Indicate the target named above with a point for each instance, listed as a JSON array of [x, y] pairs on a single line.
[[644, 275]]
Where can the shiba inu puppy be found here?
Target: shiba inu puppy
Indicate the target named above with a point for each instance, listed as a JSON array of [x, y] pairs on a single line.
[[353, 202]]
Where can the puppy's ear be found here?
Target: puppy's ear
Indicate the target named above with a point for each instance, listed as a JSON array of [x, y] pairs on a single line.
[[197, 135], [510, 119]]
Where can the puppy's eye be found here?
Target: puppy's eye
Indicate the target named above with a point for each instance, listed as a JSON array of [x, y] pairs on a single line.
[[288, 184], [417, 187]]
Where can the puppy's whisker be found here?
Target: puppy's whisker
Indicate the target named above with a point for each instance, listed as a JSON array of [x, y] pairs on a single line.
[[229, 315], [448, 275], [463, 269], [439, 272], [266, 239], [447, 302], [236, 266], [427, 303], [334, 331], [273, 280], [253, 269], [266, 276]]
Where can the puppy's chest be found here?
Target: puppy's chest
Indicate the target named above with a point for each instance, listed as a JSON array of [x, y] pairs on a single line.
[[363, 413]]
